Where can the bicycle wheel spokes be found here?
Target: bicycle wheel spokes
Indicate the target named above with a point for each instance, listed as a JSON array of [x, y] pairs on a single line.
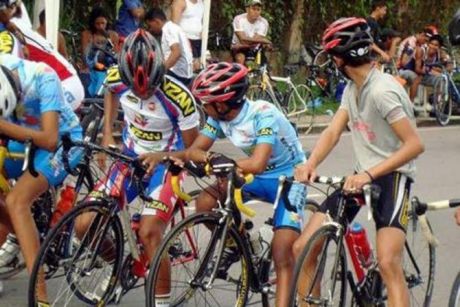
[[320, 272], [81, 258], [442, 102], [188, 252], [419, 266]]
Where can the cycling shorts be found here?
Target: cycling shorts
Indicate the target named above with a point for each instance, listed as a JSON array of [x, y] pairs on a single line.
[[391, 209], [266, 189], [49, 164], [119, 184]]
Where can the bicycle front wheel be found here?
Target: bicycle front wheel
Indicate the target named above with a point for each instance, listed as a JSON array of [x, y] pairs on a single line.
[[442, 102], [189, 252], [320, 271], [78, 263], [419, 261], [300, 107], [454, 300]]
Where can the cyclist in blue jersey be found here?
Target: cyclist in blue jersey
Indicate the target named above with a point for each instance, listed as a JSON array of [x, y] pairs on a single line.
[[32, 106], [272, 148]]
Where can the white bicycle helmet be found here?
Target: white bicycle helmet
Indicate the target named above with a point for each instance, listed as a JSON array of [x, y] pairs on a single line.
[[8, 92]]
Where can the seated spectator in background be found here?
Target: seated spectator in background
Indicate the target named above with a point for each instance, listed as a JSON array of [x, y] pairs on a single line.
[[61, 47], [98, 46], [249, 30], [379, 11], [174, 44], [188, 14], [130, 16], [390, 42], [429, 60], [406, 56]]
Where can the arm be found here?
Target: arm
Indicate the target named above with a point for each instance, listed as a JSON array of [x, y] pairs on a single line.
[[257, 162], [115, 41], [85, 41], [62, 48], [257, 39], [326, 142], [174, 56], [419, 69], [385, 57], [177, 8], [46, 138], [394, 47], [110, 113], [411, 147]]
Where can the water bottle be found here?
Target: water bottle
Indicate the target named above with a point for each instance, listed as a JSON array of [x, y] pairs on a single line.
[[64, 204], [361, 245]]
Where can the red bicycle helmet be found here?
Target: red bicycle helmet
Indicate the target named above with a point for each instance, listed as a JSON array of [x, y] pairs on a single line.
[[221, 82], [141, 63], [348, 37], [430, 31]]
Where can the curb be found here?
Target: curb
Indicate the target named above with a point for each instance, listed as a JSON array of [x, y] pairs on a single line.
[[421, 122]]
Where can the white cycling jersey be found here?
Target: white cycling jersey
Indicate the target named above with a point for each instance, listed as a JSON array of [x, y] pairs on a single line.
[[40, 50], [154, 124]]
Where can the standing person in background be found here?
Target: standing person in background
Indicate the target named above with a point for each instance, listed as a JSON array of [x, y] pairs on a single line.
[[379, 11], [249, 30], [61, 47], [174, 44], [98, 46], [130, 16], [188, 14]]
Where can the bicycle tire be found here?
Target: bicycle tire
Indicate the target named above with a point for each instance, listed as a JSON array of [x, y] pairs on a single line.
[[62, 247], [300, 107], [338, 265], [442, 102], [454, 298], [175, 248], [421, 283], [256, 92]]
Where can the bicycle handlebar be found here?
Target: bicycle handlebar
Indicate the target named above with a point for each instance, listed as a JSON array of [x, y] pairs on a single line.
[[138, 168], [221, 170]]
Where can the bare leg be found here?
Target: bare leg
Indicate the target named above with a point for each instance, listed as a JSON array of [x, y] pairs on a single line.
[[304, 283], [390, 245], [18, 203]]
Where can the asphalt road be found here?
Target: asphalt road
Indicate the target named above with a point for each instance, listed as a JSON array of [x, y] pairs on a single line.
[[438, 178]]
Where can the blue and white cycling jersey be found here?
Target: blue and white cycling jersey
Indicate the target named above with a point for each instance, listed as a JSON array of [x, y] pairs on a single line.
[[261, 122], [40, 92]]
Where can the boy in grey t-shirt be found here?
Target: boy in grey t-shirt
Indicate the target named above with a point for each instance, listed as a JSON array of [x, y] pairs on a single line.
[[378, 113]]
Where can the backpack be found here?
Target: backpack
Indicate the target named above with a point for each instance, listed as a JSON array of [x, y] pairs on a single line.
[[454, 29]]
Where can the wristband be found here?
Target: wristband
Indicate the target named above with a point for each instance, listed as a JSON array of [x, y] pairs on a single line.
[[369, 174]]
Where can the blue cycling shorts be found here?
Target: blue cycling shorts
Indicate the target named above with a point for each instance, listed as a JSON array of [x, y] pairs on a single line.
[[266, 189], [49, 164]]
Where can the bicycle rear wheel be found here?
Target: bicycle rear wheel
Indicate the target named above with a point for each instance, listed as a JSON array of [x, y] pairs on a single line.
[[328, 273], [442, 102], [190, 250], [454, 300], [79, 268], [419, 261]]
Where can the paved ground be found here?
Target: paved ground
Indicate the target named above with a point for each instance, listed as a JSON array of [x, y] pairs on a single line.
[[438, 178]]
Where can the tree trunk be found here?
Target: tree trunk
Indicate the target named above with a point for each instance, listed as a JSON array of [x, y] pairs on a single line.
[[294, 38]]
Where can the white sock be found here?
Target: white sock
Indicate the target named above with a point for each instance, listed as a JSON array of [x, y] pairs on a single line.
[[163, 300]]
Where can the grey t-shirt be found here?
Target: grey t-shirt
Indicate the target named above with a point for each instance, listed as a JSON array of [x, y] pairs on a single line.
[[381, 102]]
